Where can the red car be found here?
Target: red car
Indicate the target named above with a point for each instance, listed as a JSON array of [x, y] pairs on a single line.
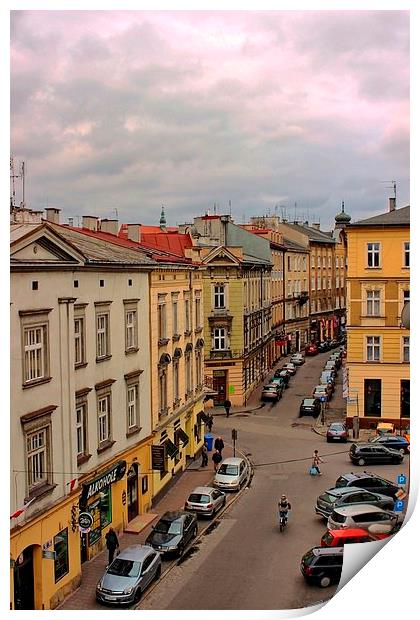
[[311, 349], [339, 538]]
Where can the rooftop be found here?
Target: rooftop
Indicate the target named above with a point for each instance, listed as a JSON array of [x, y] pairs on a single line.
[[398, 217]]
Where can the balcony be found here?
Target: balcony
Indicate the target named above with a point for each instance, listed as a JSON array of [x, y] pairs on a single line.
[[303, 297], [223, 354]]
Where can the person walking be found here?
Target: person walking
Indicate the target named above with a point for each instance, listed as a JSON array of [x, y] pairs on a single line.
[[227, 405], [316, 460], [217, 459], [209, 422], [219, 444], [204, 456], [111, 543]]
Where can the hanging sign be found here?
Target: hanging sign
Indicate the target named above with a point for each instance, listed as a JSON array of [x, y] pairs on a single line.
[[111, 475]]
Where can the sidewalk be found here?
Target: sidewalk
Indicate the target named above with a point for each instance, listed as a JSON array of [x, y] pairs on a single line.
[[92, 571]]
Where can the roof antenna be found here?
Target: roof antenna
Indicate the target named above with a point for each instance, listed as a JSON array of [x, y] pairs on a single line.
[[230, 207]]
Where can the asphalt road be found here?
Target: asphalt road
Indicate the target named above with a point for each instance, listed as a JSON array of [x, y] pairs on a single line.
[[245, 562]]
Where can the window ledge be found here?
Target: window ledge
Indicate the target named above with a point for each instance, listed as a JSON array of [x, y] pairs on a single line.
[[35, 382], [187, 332], [198, 330], [103, 359], [176, 403], [83, 458], [81, 365], [163, 341], [131, 350], [176, 337], [373, 316], [41, 491], [133, 431], [375, 268], [105, 446]]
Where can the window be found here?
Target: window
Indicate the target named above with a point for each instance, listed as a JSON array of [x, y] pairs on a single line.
[[373, 303], [36, 449], [103, 349], [35, 353], [406, 254], [81, 428], [373, 348], [188, 372], [132, 406], [187, 312], [406, 295], [101, 511], [372, 397], [406, 349], [405, 398], [104, 419], [329, 260], [342, 262], [176, 380], [131, 329], [197, 310], [79, 341], [304, 263], [174, 314], [324, 283], [373, 255], [163, 384], [319, 260], [323, 261], [219, 339], [336, 262], [161, 317], [329, 283], [219, 296], [199, 367], [61, 560]]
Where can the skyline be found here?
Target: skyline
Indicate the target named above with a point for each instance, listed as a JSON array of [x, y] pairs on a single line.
[[132, 110]]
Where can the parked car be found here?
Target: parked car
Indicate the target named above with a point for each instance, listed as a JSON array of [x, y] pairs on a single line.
[[310, 406], [173, 532], [363, 516], [337, 431], [128, 575], [326, 378], [323, 390], [311, 349], [330, 367], [272, 391], [297, 359], [323, 346], [334, 498], [291, 368], [336, 358], [283, 374], [205, 501], [363, 453], [369, 481], [231, 474], [339, 538], [392, 441], [280, 381], [322, 565]]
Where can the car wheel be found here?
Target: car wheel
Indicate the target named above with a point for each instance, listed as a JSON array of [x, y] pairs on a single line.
[[181, 550], [138, 595], [402, 451], [195, 532], [325, 581], [158, 572], [361, 462]]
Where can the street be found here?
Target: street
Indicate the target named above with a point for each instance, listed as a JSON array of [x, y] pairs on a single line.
[[245, 562]]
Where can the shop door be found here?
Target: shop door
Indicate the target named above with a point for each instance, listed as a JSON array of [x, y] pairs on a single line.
[[83, 547], [132, 492], [298, 341], [219, 386], [24, 580]]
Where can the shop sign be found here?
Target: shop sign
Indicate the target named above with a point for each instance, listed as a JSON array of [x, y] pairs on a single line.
[[124, 498], [158, 457], [111, 475], [47, 545], [48, 555], [85, 520]]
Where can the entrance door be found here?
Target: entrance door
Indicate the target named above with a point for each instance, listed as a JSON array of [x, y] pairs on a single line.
[[132, 492], [219, 386], [298, 341], [83, 547], [24, 580]]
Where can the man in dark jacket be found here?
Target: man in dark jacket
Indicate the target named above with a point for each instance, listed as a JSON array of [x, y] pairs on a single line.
[[111, 543], [219, 444], [217, 459], [227, 405]]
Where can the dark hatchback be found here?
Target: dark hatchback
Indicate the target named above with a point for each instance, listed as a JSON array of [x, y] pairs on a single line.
[[392, 441], [363, 453], [322, 565], [173, 531], [310, 406], [369, 481], [283, 374]]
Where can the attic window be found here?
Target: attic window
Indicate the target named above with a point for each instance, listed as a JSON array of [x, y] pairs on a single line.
[[130, 282], [35, 285], [102, 283], [76, 283]]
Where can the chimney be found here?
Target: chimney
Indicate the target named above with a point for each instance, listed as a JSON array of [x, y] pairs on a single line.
[[316, 225], [53, 215], [90, 222], [109, 226], [133, 232], [392, 204]]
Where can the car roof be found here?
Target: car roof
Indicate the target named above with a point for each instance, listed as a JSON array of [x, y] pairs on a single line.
[[337, 424], [344, 490], [173, 515], [232, 461], [270, 385], [320, 387], [309, 398], [364, 474], [348, 532], [327, 550], [358, 509], [135, 552], [203, 490]]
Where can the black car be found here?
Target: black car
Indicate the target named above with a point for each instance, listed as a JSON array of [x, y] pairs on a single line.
[[322, 565], [283, 374], [370, 482], [310, 406], [173, 532], [392, 441], [323, 346], [363, 453]]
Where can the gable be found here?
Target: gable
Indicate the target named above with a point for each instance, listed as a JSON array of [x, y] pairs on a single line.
[[43, 248], [221, 256]]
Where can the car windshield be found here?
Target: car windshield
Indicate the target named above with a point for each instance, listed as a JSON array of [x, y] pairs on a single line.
[[199, 498], [308, 402], [326, 497], [320, 389], [340, 482], [308, 558], [124, 568], [337, 517], [327, 538], [336, 427], [168, 527], [228, 470], [270, 388]]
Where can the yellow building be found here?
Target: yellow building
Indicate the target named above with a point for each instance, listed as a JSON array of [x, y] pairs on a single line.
[[378, 346]]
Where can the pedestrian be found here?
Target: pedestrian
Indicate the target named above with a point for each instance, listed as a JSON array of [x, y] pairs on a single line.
[[316, 460], [227, 405], [111, 543], [219, 444], [216, 458], [209, 422], [204, 456]]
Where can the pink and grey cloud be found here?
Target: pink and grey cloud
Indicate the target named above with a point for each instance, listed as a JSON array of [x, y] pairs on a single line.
[[131, 110]]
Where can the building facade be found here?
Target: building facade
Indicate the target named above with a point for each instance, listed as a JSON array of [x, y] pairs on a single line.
[[378, 346]]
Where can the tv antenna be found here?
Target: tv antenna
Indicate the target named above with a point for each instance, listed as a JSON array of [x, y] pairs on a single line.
[[13, 176], [393, 186]]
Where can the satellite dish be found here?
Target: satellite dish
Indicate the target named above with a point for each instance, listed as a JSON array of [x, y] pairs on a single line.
[[405, 315]]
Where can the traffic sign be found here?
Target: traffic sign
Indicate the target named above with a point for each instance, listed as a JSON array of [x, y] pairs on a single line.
[[399, 505], [402, 479], [322, 399], [85, 520]]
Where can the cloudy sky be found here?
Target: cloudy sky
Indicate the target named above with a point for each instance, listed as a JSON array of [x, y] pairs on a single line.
[[133, 110]]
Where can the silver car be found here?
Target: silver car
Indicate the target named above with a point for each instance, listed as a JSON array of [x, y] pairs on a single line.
[[297, 359], [205, 501], [128, 575], [362, 515], [231, 474], [350, 496]]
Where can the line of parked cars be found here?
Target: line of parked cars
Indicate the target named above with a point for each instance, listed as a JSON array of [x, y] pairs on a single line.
[[358, 509], [325, 389], [274, 388], [135, 568], [313, 348]]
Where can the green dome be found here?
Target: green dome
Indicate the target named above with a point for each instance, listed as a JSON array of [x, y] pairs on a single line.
[[342, 218]]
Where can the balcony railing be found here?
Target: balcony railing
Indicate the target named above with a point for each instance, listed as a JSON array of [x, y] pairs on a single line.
[[225, 354]]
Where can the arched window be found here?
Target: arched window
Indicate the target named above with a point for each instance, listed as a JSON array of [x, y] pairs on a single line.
[[163, 383]]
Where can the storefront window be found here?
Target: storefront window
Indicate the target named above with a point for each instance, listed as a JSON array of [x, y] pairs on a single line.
[[101, 511], [61, 548]]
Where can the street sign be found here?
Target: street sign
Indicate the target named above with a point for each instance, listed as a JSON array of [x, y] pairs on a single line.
[[402, 479], [322, 399], [234, 434], [399, 505], [85, 520], [400, 494]]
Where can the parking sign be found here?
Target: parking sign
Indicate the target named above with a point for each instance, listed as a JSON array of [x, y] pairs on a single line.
[[399, 505], [402, 479]]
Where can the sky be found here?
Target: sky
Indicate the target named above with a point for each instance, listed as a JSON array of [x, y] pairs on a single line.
[[116, 113]]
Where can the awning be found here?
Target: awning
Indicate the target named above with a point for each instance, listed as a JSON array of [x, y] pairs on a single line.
[[182, 436], [170, 449], [203, 417]]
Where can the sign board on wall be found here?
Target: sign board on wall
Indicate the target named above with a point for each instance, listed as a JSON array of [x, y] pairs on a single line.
[[111, 475], [158, 457]]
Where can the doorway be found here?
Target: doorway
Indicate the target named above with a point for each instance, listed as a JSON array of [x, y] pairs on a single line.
[[133, 491], [24, 580], [219, 386], [83, 547]]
